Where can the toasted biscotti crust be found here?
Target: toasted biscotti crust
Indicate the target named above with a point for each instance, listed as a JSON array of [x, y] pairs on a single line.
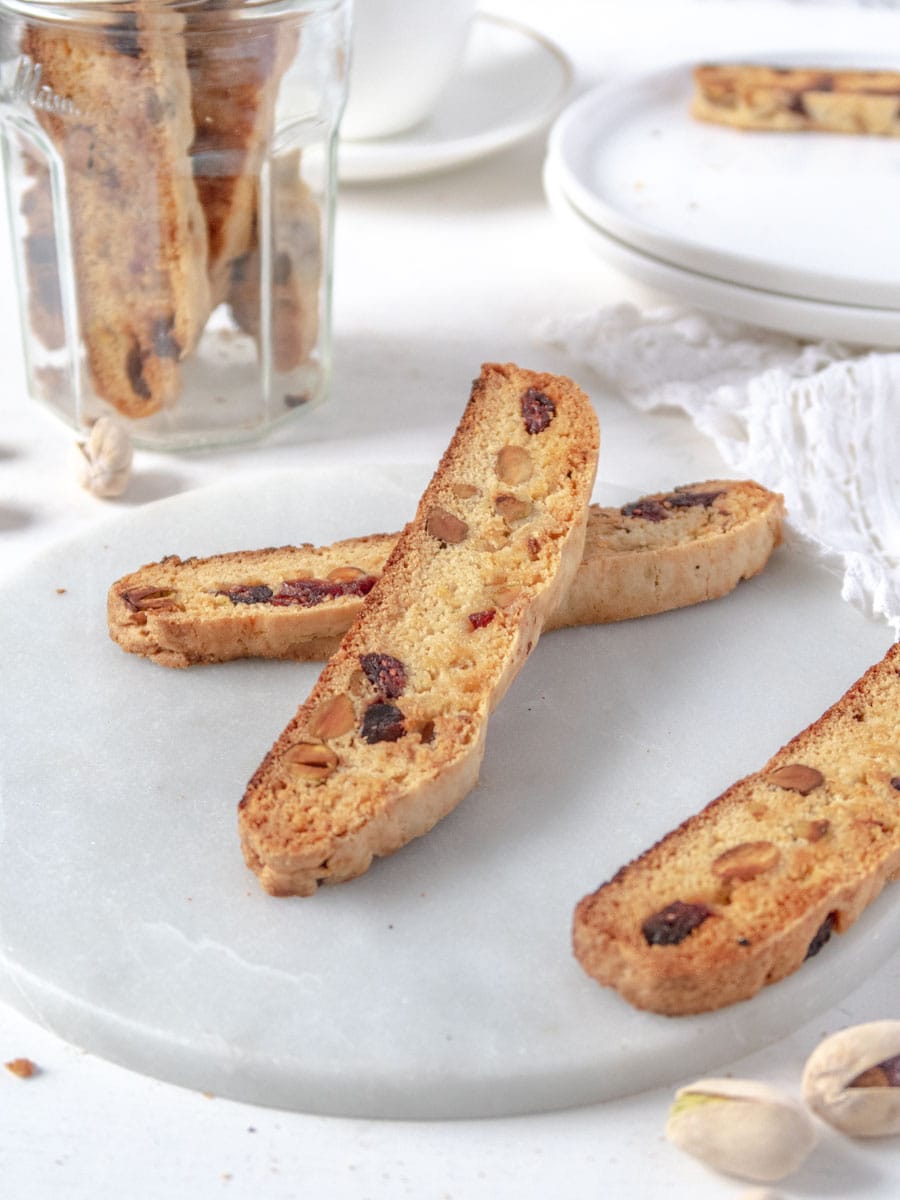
[[664, 551], [392, 735], [764, 97], [741, 894], [138, 230]]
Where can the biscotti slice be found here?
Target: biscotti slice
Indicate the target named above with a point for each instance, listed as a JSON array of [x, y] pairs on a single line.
[[660, 552], [236, 68], [137, 228], [295, 275], [752, 96], [740, 895], [392, 735]]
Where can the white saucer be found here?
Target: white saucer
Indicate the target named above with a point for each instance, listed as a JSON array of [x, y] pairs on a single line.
[[441, 983], [814, 319], [809, 215], [512, 82]]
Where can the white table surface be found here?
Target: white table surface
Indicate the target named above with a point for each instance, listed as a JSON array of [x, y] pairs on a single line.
[[433, 276]]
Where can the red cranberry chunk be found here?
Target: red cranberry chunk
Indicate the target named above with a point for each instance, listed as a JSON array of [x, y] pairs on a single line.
[[478, 620], [650, 510], [538, 410], [823, 933], [386, 674], [692, 499], [248, 594], [382, 723], [674, 923]]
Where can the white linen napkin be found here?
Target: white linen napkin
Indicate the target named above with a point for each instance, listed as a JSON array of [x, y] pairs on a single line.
[[818, 422]]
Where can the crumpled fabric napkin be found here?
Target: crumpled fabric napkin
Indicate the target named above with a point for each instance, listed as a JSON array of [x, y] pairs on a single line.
[[818, 422]]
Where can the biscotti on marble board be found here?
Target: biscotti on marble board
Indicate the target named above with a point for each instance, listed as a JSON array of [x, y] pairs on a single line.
[[742, 893], [392, 735], [138, 230], [755, 96], [661, 552]]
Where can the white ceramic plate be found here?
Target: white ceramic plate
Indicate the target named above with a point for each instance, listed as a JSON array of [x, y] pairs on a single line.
[[512, 82], [810, 215], [874, 327], [441, 983]]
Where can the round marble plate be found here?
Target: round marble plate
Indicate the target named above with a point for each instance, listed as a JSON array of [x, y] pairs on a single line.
[[440, 984]]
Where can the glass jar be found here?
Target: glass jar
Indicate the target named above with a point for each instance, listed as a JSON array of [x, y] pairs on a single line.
[[170, 174]]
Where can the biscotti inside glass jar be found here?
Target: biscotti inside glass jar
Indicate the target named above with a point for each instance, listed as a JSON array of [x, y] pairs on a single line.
[[169, 171]]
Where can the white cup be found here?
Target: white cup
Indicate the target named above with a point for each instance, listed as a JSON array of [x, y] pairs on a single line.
[[404, 54]]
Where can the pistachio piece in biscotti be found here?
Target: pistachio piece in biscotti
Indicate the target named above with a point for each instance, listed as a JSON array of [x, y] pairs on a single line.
[[429, 679], [762, 882]]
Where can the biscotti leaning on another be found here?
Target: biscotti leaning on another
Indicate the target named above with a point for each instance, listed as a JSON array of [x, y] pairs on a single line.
[[392, 735], [661, 552], [754, 96], [740, 895], [137, 227]]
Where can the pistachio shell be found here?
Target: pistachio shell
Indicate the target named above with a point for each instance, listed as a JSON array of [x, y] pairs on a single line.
[[839, 1060], [741, 1127]]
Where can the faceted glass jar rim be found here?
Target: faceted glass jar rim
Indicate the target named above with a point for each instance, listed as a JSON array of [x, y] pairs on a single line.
[[98, 11]]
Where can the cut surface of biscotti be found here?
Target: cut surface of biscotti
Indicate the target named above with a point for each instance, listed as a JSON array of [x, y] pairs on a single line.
[[753, 96], [138, 230], [660, 552], [392, 735], [741, 894]]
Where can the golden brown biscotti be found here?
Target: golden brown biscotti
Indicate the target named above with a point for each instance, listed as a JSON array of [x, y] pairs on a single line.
[[741, 894], [296, 270], [392, 735], [661, 552], [751, 96], [236, 68], [138, 231]]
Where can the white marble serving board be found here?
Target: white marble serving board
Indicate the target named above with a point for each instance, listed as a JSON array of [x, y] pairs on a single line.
[[440, 984]]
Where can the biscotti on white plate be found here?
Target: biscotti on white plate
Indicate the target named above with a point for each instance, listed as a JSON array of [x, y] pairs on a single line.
[[392, 735], [663, 551], [741, 894], [758, 96]]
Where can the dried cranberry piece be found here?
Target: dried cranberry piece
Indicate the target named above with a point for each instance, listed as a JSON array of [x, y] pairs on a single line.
[[674, 923], [310, 592], [248, 594], [478, 620], [538, 410], [692, 499], [823, 933], [306, 592], [385, 673], [382, 723], [650, 510]]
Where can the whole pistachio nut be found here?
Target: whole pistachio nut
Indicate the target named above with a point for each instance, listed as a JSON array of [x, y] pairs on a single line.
[[741, 1127], [103, 460], [852, 1079]]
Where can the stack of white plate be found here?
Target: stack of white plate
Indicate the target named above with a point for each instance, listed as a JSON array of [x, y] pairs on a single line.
[[795, 232]]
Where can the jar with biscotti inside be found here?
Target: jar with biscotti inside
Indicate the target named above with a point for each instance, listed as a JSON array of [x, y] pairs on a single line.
[[169, 167]]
